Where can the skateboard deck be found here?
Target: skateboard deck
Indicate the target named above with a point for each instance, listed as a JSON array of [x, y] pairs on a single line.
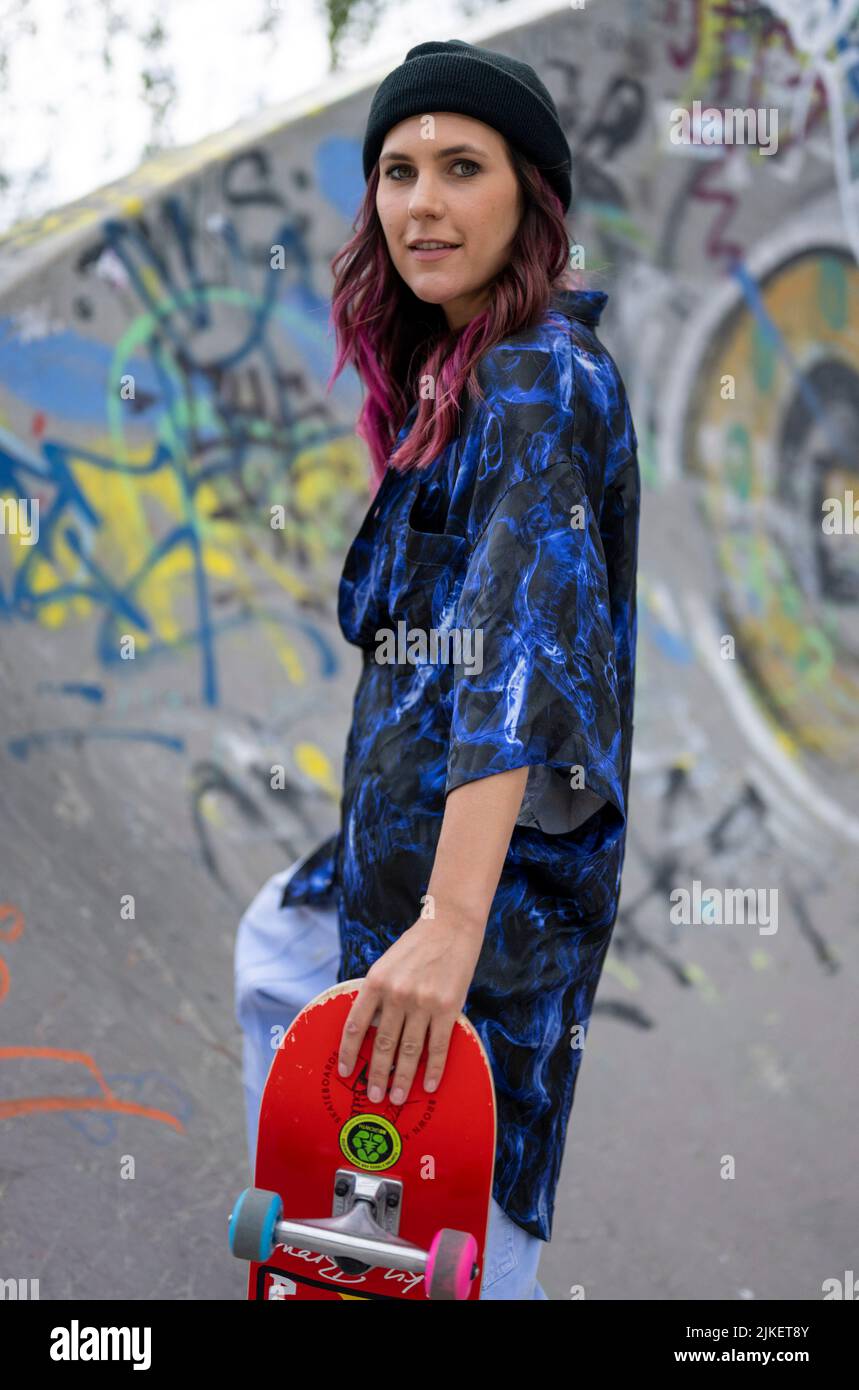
[[314, 1123]]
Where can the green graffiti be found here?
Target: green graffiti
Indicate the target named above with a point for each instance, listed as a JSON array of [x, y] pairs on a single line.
[[738, 461], [832, 291]]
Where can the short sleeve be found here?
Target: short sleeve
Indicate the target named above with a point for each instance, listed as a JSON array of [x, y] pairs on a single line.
[[541, 690]]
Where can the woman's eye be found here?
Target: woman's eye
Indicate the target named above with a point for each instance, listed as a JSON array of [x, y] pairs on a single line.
[[394, 167]]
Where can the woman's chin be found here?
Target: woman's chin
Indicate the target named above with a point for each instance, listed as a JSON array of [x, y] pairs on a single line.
[[459, 301], [432, 291]]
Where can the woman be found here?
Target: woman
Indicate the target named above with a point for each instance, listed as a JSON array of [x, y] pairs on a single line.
[[484, 807]]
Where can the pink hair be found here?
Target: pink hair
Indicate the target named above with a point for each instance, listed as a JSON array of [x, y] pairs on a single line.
[[394, 339]]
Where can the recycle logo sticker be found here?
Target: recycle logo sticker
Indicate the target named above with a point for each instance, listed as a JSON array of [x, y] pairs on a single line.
[[370, 1142]]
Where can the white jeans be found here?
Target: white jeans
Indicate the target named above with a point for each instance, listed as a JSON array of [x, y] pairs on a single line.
[[284, 957]]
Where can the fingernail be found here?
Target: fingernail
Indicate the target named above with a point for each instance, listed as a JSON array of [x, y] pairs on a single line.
[[375, 1094], [397, 1096], [342, 1068], [430, 1085]]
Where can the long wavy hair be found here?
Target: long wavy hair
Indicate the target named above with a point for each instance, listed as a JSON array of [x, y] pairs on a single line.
[[394, 340]]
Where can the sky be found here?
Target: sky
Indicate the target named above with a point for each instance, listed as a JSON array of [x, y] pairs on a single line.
[[68, 125]]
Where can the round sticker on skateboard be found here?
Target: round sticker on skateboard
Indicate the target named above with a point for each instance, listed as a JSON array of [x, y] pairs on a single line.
[[370, 1142]]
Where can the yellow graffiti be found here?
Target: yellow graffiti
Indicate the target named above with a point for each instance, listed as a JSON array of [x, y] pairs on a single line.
[[135, 505], [791, 641], [316, 766]]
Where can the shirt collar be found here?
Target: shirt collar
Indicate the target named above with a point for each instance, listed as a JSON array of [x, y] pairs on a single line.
[[585, 305]]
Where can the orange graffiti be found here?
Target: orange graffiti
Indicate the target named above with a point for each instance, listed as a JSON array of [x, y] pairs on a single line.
[[11, 933], [8, 934], [107, 1101], [27, 1105]]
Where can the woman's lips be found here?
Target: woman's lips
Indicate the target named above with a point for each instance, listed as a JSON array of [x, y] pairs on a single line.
[[432, 255]]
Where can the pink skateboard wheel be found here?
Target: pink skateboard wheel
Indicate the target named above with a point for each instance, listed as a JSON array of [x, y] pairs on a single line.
[[450, 1265]]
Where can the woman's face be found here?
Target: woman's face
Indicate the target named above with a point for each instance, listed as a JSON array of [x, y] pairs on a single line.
[[445, 177]]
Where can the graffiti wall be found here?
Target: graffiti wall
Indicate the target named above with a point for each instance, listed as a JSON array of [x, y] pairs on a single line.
[[175, 690]]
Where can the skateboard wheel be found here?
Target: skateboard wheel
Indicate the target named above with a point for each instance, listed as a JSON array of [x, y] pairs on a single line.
[[254, 1218], [450, 1265]]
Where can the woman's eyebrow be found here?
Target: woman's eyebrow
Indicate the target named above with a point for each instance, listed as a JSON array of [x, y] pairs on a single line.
[[440, 154]]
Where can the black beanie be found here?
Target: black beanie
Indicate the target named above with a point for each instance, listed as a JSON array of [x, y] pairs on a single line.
[[502, 92]]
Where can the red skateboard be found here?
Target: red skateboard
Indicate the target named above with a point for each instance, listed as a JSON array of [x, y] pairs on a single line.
[[361, 1200]]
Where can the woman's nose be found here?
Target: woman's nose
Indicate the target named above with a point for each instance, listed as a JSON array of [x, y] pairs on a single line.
[[426, 198]]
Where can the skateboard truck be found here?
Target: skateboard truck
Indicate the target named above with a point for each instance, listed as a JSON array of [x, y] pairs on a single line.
[[361, 1234], [379, 1200]]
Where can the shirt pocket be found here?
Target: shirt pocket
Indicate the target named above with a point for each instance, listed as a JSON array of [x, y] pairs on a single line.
[[425, 545], [428, 576]]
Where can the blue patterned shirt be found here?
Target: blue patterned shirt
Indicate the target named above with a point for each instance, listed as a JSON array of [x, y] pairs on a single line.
[[493, 598]]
